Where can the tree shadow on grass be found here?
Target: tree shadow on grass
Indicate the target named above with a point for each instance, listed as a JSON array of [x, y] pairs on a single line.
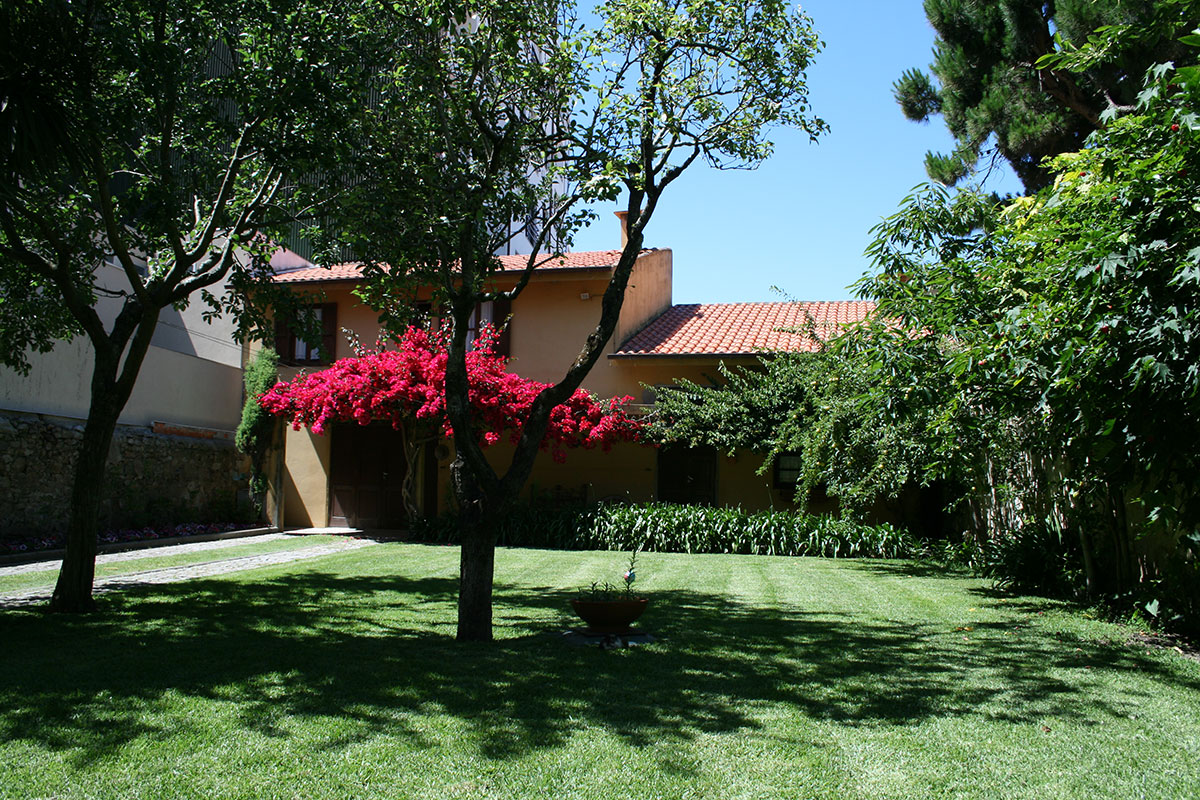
[[377, 653], [910, 568]]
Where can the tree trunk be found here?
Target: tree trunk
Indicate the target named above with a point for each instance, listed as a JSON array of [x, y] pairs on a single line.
[[476, 566], [483, 496], [112, 383], [1125, 574], [412, 451], [1091, 577], [477, 558], [73, 591]]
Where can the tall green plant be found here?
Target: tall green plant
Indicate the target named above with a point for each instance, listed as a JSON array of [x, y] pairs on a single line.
[[256, 432], [669, 528]]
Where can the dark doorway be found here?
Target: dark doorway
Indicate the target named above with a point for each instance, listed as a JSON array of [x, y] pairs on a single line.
[[687, 475], [367, 477]]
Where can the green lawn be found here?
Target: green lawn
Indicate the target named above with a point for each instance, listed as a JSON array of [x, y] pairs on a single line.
[[773, 678], [23, 581]]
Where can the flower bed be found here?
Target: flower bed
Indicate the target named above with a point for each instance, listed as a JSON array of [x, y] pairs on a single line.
[[28, 544]]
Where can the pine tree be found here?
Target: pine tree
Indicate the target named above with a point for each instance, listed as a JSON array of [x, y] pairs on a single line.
[[987, 85]]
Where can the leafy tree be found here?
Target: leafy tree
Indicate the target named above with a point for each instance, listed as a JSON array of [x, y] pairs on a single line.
[[744, 411], [810, 405], [161, 137], [1047, 352], [407, 388], [996, 78], [514, 111]]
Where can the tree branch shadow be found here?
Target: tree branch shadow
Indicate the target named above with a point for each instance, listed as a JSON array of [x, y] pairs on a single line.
[[377, 653]]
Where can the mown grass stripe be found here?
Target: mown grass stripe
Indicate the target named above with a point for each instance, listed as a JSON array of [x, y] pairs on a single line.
[[773, 677]]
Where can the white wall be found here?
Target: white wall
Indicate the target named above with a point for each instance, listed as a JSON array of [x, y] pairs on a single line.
[[191, 376]]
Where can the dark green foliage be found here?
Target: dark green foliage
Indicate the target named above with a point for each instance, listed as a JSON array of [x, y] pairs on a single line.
[[1173, 598], [1000, 80], [917, 96], [256, 432], [805, 404], [1046, 358], [666, 528], [743, 411], [1032, 558], [160, 137], [151, 153]]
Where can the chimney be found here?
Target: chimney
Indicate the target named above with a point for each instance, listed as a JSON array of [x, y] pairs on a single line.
[[624, 217]]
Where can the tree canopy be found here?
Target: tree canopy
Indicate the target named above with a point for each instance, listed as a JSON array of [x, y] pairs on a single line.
[[1055, 370], [148, 152], [996, 83], [1038, 359]]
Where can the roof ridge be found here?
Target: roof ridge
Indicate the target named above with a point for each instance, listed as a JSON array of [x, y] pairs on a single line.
[[352, 270]]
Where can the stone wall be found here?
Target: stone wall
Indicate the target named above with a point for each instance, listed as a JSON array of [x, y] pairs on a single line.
[[151, 479]]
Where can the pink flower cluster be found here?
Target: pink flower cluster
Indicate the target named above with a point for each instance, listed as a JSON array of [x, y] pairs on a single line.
[[409, 383]]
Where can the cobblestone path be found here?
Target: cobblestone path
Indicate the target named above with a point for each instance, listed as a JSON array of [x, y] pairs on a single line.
[[206, 569], [148, 552]]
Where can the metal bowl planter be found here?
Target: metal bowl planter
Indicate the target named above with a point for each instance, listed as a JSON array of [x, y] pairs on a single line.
[[609, 616]]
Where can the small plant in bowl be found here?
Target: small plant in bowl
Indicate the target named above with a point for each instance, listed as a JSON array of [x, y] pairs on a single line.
[[610, 609]]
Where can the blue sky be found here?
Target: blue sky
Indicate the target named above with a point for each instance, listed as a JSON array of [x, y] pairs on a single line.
[[802, 220]]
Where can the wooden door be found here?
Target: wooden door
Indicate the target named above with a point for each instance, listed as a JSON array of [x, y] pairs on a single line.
[[366, 477]]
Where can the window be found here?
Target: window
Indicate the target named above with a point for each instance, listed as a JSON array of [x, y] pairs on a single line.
[[482, 315], [787, 470], [494, 313], [294, 350]]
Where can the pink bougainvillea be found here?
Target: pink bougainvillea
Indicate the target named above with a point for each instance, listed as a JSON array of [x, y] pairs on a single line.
[[409, 384]]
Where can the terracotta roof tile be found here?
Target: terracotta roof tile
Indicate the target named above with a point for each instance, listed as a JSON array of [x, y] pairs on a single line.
[[741, 328], [338, 272], [593, 259]]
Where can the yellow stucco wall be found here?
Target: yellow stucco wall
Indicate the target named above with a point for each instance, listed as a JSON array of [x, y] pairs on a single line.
[[550, 323], [306, 479], [628, 376], [629, 472], [739, 485], [626, 471]]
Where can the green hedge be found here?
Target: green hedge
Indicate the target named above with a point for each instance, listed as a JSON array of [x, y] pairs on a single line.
[[669, 528]]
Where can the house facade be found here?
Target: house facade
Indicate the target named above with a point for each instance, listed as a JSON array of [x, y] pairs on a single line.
[[352, 475]]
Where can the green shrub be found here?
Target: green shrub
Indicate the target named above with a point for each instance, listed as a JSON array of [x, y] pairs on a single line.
[[669, 528], [256, 431], [1033, 558]]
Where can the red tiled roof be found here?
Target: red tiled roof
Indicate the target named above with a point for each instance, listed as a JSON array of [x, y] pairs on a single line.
[[338, 272], [741, 328], [594, 259]]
